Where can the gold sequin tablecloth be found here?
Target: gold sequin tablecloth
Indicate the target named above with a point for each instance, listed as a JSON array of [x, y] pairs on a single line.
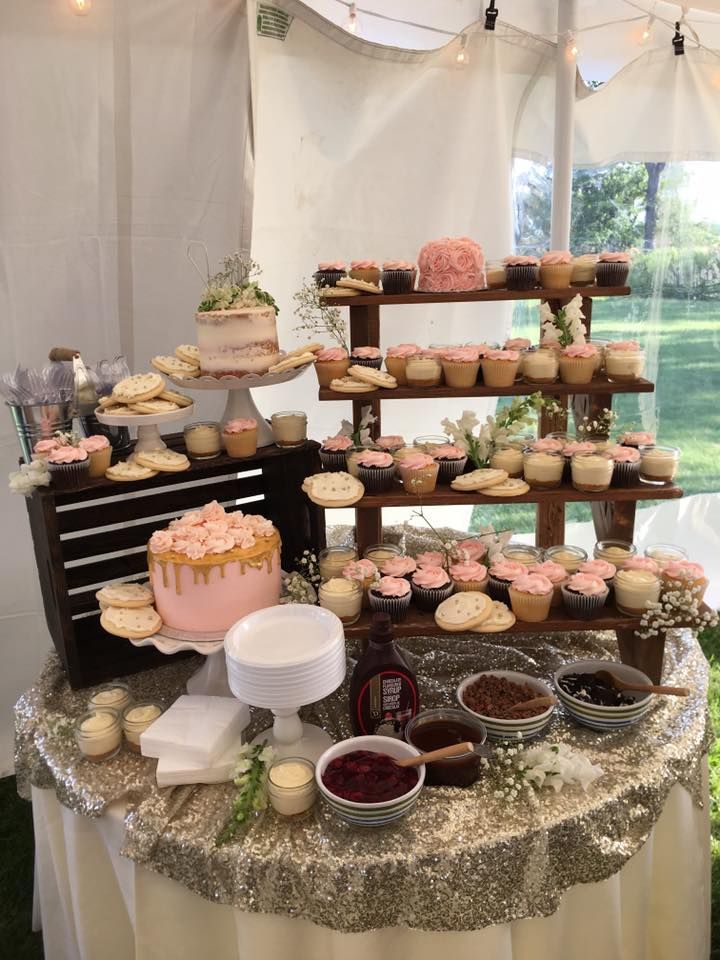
[[462, 861]]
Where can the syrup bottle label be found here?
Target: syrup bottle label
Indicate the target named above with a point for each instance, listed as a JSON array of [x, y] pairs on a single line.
[[386, 702]]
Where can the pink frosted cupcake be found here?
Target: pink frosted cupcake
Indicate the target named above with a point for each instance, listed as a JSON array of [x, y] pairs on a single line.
[[367, 270], [600, 568], [431, 558], [398, 276], [329, 272], [469, 575], [333, 452], [399, 567], [577, 363], [451, 461], [376, 470], [68, 466], [419, 473], [366, 357], [365, 572], [636, 438], [390, 595], [502, 573], [239, 437], [471, 549], [99, 451], [521, 272], [330, 364], [500, 367], [556, 574], [430, 586], [612, 269], [684, 575], [556, 268], [390, 443], [396, 358], [461, 366], [642, 563], [626, 461], [530, 597], [584, 596], [43, 447]]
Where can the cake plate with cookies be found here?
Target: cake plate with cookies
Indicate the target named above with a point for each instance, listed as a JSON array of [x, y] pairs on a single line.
[[147, 424], [240, 403]]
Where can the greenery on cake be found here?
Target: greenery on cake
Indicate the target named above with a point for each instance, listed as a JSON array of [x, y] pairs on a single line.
[[235, 287]]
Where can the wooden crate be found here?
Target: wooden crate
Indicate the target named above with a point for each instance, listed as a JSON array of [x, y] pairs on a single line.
[[98, 534]]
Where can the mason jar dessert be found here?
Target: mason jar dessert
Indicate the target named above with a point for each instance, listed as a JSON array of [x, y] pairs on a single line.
[[543, 471], [289, 428], [634, 589], [423, 371], [136, 719], [508, 457], [202, 440], [624, 360], [663, 553], [614, 551], [567, 556], [332, 560], [291, 786], [98, 734], [523, 553], [115, 695], [380, 553], [540, 366], [342, 597], [591, 472], [658, 464]]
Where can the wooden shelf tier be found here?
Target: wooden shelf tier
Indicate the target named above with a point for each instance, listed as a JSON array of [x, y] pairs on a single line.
[[445, 495], [477, 296], [419, 624], [599, 386]]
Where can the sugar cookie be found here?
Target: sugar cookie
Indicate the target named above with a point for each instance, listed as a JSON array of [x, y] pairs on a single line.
[[167, 461], [130, 595], [479, 479], [463, 611], [131, 623], [128, 470]]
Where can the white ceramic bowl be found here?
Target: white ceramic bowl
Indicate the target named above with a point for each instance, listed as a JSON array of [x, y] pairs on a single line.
[[596, 716], [523, 729], [370, 814]]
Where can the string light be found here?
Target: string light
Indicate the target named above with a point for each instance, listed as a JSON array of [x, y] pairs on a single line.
[[463, 57], [81, 7], [352, 24], [571, 46]]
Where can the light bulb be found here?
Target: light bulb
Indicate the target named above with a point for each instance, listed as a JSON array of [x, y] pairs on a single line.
[[352, 24], [647, 32], [462, 58], [571, 48], [80, 7]]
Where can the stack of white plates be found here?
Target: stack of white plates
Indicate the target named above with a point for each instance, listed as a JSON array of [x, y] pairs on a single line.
[[285, 656]]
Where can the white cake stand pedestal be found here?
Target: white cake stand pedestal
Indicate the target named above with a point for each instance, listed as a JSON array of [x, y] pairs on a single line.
[[240, 403], [147, 424], [290, 737], [211, 679]]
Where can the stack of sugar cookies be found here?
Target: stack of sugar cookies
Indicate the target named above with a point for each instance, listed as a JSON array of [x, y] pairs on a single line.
[[143, 394], [185, 362], [127, 610]]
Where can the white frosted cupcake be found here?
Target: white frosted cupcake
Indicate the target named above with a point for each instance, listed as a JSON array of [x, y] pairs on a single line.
[[634, 589]]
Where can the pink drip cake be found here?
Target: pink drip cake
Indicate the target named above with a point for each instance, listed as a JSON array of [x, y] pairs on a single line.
[[450, 265], [237, 342], [209, 568]]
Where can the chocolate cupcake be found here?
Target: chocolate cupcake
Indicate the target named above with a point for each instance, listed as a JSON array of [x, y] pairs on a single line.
[[626, 465], [329, 272], [366, 357], [398, 277], [376, 470], [521, 272], [390, 595], [612, 269], [333, 452], [451, 461], [584, 596], [502, 573], [430, 586]]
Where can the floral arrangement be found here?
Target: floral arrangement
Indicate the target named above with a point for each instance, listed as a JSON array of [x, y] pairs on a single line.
[[29, 477], [233, 287], [301, 585], [480, 443], [564, 327], [527, 771], [317, 318], [599, 425], [453, 549], [683, 607], [361, 434], [251, 775]]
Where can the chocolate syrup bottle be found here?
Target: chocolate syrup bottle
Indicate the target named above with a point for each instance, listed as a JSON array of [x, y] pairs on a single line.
[[383, 689]]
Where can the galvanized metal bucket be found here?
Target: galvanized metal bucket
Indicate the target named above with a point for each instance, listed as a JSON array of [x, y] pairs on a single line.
[[39, 421]]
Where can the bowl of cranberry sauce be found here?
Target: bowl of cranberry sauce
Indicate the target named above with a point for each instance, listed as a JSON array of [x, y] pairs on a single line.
[[362, 784]]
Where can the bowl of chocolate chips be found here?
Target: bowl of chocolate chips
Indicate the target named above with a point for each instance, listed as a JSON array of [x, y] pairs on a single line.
[[495, 696], [594, 702]]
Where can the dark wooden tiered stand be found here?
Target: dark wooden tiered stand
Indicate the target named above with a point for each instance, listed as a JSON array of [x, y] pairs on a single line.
[[87, 537], [613, 510]]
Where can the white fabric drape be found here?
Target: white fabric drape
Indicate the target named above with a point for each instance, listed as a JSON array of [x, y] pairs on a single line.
[[94, 903], [367, 151], [125, 135]]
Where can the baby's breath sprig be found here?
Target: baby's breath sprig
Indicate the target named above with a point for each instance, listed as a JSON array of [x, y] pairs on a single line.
[[676, 608], [600, 424], [520, 772], [317, 318]]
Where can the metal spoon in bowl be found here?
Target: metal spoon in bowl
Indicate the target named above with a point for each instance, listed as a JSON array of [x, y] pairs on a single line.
[[614, 681]]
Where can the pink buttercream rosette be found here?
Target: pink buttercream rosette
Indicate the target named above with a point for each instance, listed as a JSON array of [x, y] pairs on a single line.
[[210, 531], [451, 264], [390, 595]]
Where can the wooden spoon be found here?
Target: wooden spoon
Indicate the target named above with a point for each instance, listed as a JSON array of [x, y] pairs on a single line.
[[454, 750], [546, 701], [614, 681]]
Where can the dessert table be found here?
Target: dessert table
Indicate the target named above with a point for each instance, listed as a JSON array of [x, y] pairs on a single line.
[[125, 869]]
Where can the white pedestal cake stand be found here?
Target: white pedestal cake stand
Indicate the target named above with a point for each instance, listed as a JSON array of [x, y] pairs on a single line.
[[281, 658], [211, 679], [148, 434], [240, 403]]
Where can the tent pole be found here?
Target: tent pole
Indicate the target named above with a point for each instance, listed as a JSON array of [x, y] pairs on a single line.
[[565, 72]]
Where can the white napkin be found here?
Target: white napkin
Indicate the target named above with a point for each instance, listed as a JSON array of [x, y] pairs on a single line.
[[195, 729], [172, 772]]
